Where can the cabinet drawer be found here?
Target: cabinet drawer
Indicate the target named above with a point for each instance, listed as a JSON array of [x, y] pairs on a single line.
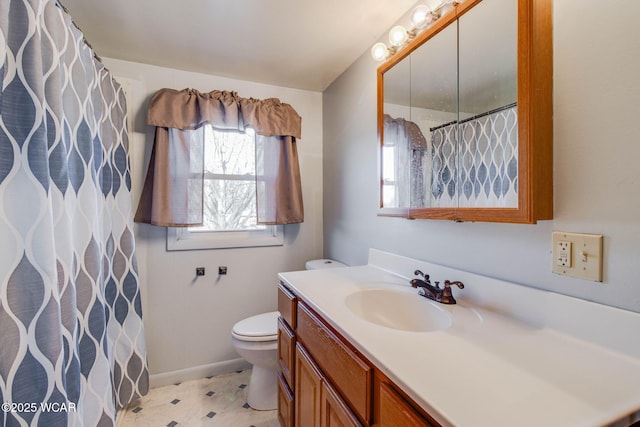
[[395, 411], [286, 351], [285, 403], [351, 376], [287, 305]]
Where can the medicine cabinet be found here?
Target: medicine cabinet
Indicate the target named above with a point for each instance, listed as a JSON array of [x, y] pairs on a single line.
[[465, 116]]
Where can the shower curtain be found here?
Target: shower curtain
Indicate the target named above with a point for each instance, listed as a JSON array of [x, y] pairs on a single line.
[[72, 348], [475, 161]]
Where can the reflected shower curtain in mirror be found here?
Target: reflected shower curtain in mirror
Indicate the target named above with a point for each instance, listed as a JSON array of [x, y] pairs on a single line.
[[475, 160], [72, 349]]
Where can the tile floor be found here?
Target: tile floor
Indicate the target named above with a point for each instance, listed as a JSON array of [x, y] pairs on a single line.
[[219, 401]]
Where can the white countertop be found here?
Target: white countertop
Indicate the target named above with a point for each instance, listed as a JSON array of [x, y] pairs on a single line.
[[499, 363]]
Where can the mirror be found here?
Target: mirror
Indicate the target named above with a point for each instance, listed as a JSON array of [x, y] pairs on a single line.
[[455, 130]]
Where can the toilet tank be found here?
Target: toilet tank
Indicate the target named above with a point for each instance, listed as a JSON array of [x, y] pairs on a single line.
[[317, 264]]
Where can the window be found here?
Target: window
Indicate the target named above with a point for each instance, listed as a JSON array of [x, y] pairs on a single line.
[[389, 183], [229, 197]]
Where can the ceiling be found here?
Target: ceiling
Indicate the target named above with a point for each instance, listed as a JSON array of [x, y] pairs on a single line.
[[303, 44]]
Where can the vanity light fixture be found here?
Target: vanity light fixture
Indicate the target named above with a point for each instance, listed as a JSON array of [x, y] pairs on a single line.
[[379, 51], [421, 17], [398, 36]]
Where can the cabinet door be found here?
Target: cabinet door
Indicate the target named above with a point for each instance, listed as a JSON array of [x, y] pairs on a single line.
[[335, 412], [396, 412], [307, 390]]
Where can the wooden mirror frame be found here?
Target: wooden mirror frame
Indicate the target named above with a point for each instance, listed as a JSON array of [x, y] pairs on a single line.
[[535, 119]]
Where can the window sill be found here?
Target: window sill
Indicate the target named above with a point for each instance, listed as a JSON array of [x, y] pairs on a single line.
[[181, 239]]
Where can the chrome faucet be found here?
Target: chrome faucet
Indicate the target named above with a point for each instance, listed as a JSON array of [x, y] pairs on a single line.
[[436, 293]]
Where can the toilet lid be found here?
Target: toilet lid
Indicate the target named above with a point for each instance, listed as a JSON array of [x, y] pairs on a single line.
[[261, 327]]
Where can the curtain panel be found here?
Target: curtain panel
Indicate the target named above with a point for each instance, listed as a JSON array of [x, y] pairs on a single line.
[[71, 333], [410, 146], [173, 188]]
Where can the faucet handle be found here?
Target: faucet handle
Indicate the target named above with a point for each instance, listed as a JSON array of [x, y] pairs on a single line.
[[448, 284], [424, 276], [447, 297]]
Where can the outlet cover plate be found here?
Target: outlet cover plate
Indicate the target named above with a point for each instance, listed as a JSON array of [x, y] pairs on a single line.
[[585, 253]]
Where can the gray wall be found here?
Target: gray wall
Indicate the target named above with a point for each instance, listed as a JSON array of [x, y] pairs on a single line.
[[596, 170]]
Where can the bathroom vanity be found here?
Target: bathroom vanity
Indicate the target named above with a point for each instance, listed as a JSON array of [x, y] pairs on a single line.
[[323, 380], [359, 347]]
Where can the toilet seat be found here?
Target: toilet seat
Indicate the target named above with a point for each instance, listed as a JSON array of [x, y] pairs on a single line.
[[262, 327]]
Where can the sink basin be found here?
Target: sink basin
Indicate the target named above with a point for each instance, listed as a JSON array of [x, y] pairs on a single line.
[[398, 309]]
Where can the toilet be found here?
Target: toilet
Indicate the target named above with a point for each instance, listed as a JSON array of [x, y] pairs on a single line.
[[256, 340]]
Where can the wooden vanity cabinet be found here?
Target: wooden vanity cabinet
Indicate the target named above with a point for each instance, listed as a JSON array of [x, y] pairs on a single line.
[[395, 411], [347, 372], [333, 410], [308, 387], [285, 403], [287, 302], [287, 306], [323, 381], [286, 350]]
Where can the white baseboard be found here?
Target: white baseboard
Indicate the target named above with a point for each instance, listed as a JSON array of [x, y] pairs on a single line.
[[197, 372]]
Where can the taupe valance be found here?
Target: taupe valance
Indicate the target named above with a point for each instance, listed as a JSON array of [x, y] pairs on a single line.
[[190, 109], [173, 189]]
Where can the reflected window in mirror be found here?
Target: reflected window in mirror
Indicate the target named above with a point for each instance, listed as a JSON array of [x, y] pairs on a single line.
[[403, 154]]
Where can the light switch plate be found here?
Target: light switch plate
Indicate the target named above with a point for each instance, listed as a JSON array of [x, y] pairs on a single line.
[[577, 255]]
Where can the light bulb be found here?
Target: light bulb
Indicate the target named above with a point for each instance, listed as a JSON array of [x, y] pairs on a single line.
[[447, 5], [397, 35], [379, 51], [421, 16]]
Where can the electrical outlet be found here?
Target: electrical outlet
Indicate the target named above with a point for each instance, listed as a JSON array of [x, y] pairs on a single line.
[[577, 255], [563, 258]]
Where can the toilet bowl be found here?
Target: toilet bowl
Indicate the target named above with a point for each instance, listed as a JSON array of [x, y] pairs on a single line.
[[256, 340]]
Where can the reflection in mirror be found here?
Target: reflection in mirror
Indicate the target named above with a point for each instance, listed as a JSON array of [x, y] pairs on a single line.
[[434, 103], [488, 126], [395, 155], [402, 161], [458, 92]]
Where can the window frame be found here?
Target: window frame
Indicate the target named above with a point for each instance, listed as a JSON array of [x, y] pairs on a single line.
[[181, 238]]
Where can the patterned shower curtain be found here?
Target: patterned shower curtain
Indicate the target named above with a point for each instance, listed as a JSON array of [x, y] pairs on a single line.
[[475, 161], [72, 348]]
